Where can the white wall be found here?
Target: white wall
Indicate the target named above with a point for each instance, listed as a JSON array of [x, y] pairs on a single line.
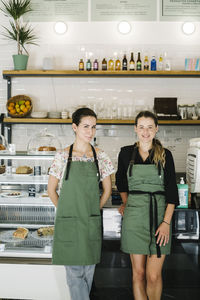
[[102, 40]]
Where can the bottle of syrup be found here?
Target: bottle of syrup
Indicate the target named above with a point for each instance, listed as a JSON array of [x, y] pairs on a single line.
[[95, 65], [111, 65], [88, 65], [81, 65], [117, 65], [146, 63], [104, 65]]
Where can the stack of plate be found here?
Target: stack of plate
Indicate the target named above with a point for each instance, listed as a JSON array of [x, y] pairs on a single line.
[[54, 115], [39, 114]]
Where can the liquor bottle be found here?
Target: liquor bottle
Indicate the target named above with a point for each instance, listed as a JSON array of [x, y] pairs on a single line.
[[160, 63], [117, 65], [111, 65], [124, 63], [153, 64], [139, 63], [88, 65], [104, 65], [146, 63], [81, 65], [132, 63], [95, 65]]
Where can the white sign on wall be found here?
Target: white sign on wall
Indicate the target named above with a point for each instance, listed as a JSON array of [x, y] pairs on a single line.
[[118, 10], [59, 10], [180, 10]]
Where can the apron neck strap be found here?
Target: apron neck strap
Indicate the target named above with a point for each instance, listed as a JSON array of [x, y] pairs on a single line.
[[96, 162], [132, 161], [70, 160]]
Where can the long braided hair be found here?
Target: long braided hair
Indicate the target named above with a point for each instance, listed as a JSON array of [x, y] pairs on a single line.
[[157, 148]]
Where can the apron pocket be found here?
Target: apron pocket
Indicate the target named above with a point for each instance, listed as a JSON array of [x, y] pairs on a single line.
[[66, 229], [94, 228]]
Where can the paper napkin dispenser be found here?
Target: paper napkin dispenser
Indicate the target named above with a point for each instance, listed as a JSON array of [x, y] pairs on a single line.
[[166, 108]]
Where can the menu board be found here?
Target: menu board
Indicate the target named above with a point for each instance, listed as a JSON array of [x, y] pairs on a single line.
[[118, 10], [180, 10], [58, 10]]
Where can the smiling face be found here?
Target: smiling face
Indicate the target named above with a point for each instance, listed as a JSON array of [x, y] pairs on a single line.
[[146, 129], [86, 129]]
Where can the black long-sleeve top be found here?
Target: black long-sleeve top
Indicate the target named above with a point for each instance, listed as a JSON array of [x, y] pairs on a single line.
[[171, 191]]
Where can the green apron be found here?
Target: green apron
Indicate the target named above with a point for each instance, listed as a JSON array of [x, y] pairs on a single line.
[[144, 211], [77, 235]]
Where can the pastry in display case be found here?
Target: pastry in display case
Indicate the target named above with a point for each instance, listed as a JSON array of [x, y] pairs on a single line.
[[43, 143], [3, 144]]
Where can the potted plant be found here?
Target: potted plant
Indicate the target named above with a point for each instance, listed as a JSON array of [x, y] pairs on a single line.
[[19, 31]]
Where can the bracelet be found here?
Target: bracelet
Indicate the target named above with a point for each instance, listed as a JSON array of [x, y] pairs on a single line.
[[165, 222]]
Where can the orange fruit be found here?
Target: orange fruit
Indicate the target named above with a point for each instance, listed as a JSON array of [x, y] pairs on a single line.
[[13, 111], [28, 107], [25, 109], [27, 102], [11, 104]]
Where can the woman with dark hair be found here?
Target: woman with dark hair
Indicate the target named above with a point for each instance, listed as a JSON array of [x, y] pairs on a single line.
[[77, 171], [147, 184]]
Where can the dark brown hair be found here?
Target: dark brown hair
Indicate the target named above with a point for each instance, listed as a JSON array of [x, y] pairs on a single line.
[[159, 151], [146, 114], [81, 113]]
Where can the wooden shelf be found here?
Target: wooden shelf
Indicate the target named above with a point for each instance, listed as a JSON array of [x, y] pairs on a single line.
[[100, 121], [70, 73]]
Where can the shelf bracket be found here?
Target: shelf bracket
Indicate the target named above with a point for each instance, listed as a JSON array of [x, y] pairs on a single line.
[[9, 86]]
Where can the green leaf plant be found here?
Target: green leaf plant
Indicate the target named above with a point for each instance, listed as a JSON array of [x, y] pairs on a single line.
[[19, 31]]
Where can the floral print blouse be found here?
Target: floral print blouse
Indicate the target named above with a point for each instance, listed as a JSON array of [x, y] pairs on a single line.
[[60, 160]]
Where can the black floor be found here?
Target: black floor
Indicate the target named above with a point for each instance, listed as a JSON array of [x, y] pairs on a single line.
[[181, 273]]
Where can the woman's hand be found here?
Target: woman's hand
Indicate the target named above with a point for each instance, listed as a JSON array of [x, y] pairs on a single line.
[[121, 209], [162, 234]]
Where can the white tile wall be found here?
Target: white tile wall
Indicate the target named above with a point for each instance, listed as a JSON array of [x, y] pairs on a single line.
[[101, 39]]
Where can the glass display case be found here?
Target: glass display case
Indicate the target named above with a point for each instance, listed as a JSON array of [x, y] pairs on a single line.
[[26, 212], [43, 143]]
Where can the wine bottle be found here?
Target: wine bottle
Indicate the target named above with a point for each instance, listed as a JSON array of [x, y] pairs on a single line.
[[132, 63], [139, 63], [124, 63]]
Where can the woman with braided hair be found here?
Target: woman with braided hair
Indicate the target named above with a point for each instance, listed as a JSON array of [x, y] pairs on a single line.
[[147, 184]]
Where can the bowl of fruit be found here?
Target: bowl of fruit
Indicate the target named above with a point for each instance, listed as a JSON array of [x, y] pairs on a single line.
[[19, 106]]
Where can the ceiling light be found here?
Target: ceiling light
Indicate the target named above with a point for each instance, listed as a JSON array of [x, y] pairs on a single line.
[[188, 28], [124, 27], [60, 27]]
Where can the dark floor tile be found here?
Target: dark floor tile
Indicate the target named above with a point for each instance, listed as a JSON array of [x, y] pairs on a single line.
[[126, 294]]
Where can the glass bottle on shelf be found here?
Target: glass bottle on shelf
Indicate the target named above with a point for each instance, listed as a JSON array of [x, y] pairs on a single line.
[[153, 63], [111, 65], [88, 65], [139, 63], [104, 65], [95, 65], [81, 65], [132, 63], [146, 63], [117, 65], [160, 63], [124, 63]]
